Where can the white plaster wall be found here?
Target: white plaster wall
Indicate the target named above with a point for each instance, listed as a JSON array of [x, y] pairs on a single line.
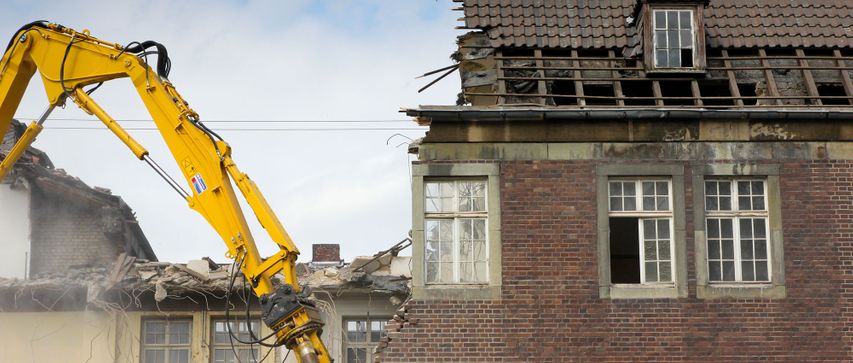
[[58, 337], [14, 230]]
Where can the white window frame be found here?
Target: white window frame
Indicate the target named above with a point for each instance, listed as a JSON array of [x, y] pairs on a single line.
[[735, 214], [693, 41], [167, 347], [456, 216], [643, 215], [235, 323], [369, 344]]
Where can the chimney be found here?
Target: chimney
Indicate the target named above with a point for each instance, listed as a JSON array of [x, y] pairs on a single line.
[[326, 253]]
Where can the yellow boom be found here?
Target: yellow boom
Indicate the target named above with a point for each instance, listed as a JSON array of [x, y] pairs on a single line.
[[68, 60]]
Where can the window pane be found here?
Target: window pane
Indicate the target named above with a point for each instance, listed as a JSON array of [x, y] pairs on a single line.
[[726, 228], [648, 188], [155, 332], [711, 203], [247, 355], [746, 250], [714, 250], [757, 188], [728, 247], [649, 229], [445, 252], [743, 188], [663, 250], [671, 19], [615, 188], [761, 249], [432, 271], [761, 273], [661, 188], [663, 203], [728, 271], [446, 270], [665, 271], [651, 272], [357, 330], [713, 228], [661, 58], [179, 356], [725, 203], [758, 203], [686, 39], [356, 355], [711, 188], [660, 39], [744, 203], [219, 356], [714, 271], [630, 203], [377, 330], [745, 228], [674, 57], [481, 272], [660, 20], [466, 271], [155, 356], [615, 203], [479, 230], [480, 253], [650, 250], [747, 271], [684, 20], [663, 228], [179, 332], [725, 188], [649, 203]]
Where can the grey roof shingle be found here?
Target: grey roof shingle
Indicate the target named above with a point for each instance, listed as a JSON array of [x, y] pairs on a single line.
[[602, 23]]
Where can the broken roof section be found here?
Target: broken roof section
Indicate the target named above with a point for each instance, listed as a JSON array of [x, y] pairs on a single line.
[[118, 221], [604, 23], [136, 284]]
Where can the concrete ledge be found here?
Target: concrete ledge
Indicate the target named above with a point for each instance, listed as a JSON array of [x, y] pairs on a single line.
[[456, 292], [768, 150], [643, 292], [710, 292]]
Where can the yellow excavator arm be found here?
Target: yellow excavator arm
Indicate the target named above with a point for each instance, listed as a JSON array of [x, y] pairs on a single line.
[[68, 60]]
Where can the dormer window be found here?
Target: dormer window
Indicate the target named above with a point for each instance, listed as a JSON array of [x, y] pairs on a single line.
[[673, 38]]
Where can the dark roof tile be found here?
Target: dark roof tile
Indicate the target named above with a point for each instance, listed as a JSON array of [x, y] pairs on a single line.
[[602, 23]]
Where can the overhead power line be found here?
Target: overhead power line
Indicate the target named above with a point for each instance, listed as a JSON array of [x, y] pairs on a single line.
[[326, 129], [233, 121]]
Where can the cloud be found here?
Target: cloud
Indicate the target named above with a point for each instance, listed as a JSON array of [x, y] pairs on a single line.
[[265, 60]]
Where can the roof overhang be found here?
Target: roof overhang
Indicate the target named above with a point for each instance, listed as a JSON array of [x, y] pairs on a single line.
[[426, 114]]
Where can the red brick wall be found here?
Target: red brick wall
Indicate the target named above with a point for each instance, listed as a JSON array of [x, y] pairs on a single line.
[[326, 252], [65, 235], [550, 310]]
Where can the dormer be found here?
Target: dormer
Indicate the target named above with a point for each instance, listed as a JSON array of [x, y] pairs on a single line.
[[673, 35]]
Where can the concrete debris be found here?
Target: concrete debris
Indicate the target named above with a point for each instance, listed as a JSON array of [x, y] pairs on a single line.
[[383, 272], [364, 273]]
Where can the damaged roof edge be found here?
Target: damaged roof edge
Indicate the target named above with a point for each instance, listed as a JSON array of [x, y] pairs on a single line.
[[468, 113]]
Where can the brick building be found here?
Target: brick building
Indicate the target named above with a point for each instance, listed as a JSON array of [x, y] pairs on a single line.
[[52, 221], [637, 180]]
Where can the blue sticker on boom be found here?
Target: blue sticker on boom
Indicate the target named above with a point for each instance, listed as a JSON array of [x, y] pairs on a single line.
[[198, 183]]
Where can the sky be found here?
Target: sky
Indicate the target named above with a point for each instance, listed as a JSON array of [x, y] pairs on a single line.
[[316, 62]]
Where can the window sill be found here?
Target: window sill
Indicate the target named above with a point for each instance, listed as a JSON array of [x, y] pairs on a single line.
[[741, 291], [630, 291], [456, 292]]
